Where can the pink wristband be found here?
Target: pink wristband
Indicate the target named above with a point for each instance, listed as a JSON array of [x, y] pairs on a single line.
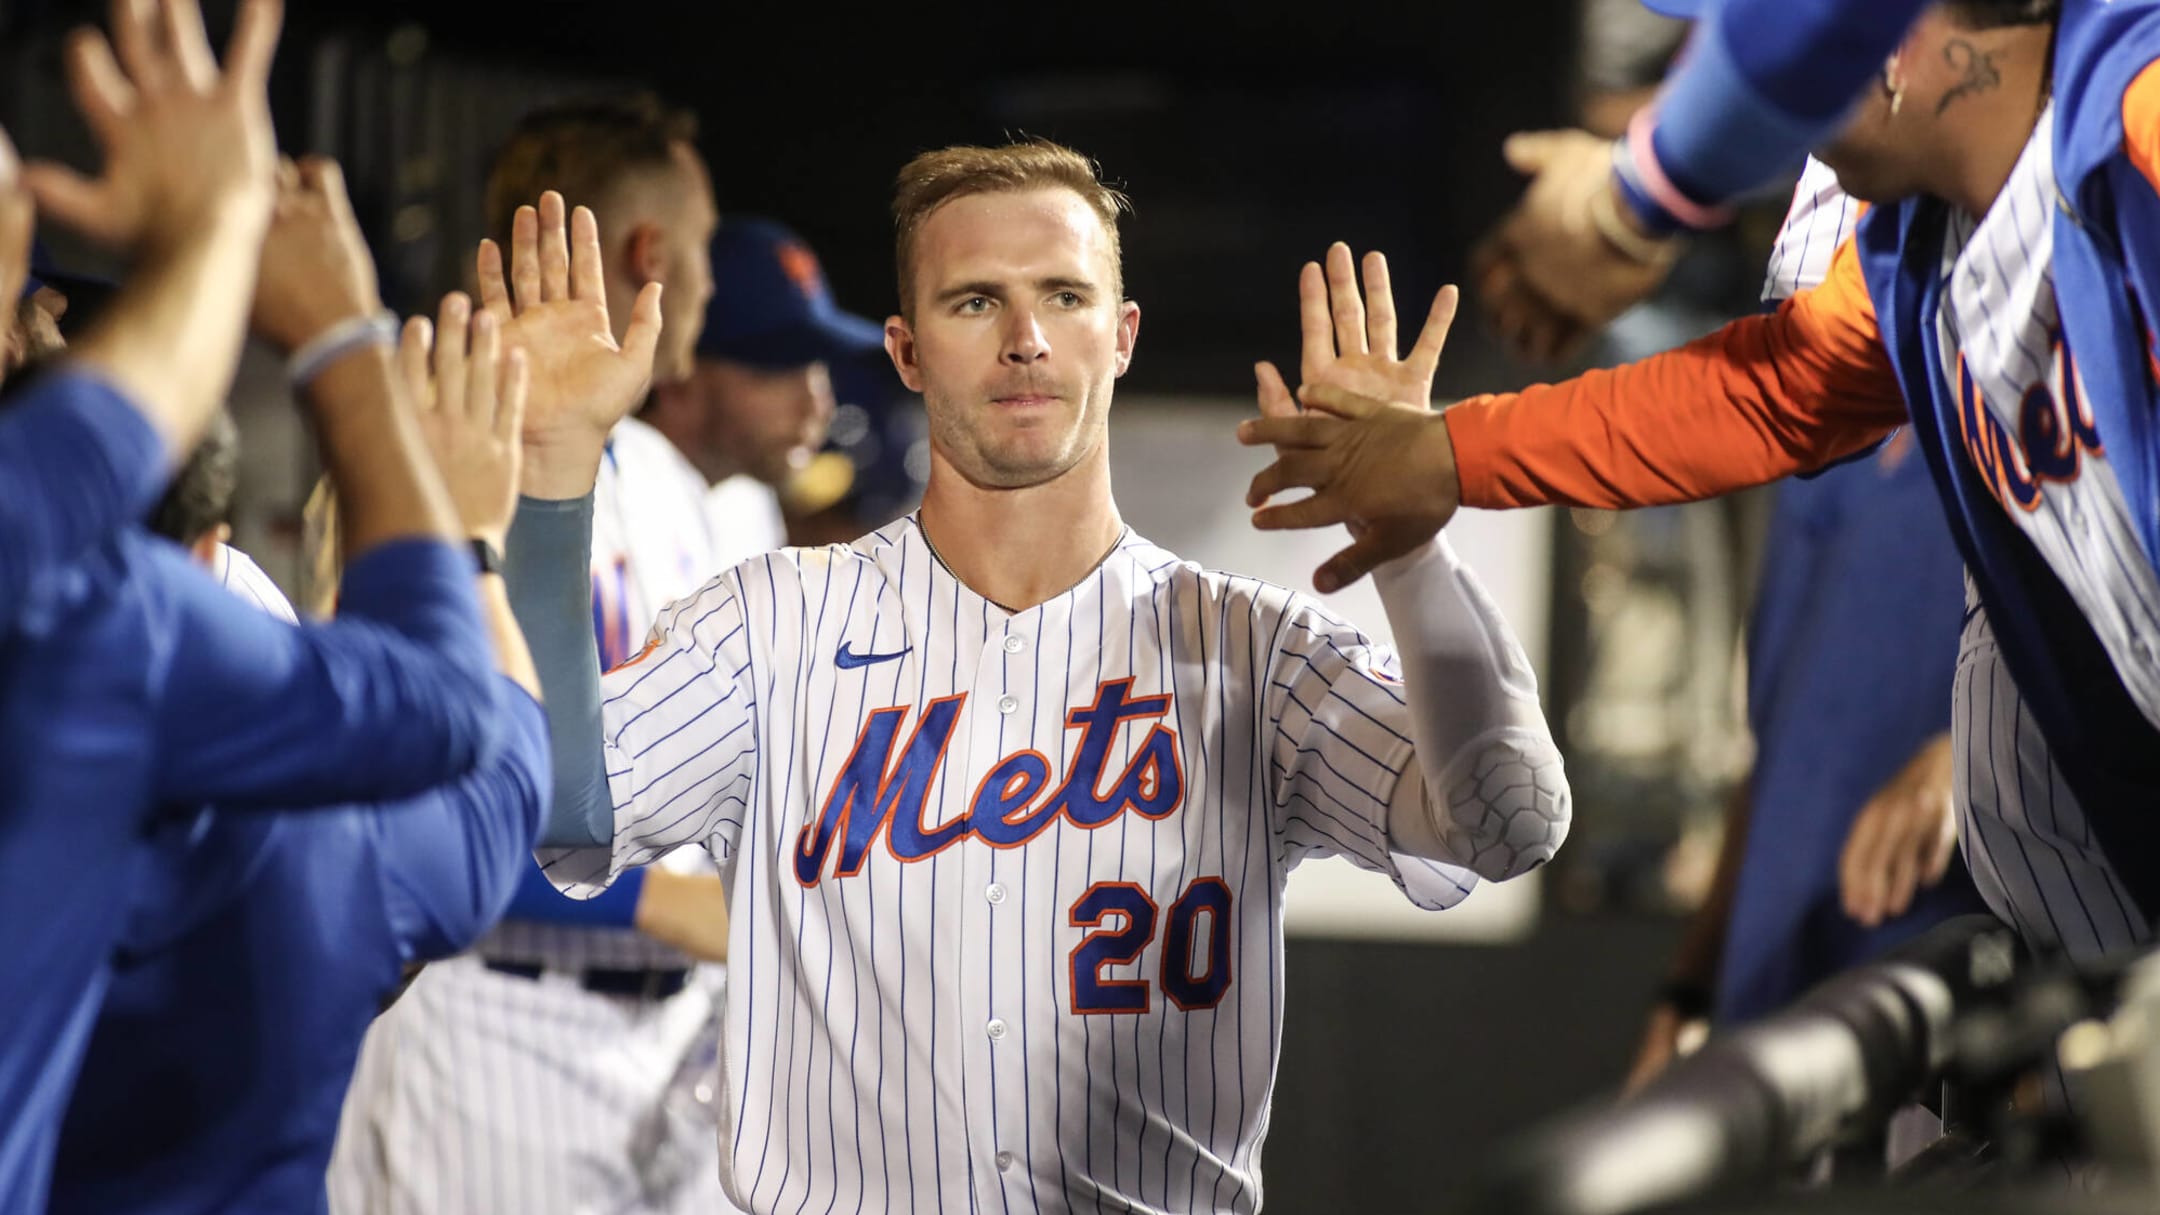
[[1651, 178]]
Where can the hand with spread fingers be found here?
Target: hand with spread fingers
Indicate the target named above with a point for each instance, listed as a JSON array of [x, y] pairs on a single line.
[[1376, 457], [1903, 840], [315, 270], [554, 306], [188, 146], [469, 393], [1569, 258]]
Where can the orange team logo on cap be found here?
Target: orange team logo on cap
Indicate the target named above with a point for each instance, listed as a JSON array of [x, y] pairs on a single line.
[[801, 265]]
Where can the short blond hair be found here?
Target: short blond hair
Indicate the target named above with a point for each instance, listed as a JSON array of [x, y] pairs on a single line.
[[935, 178]]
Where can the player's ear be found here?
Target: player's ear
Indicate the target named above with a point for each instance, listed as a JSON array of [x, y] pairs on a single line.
[[900, 345], [1128, 333], [646, 247]]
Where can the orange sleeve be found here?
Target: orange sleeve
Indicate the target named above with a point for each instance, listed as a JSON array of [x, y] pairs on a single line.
[[1762, 398], [2141, 123]]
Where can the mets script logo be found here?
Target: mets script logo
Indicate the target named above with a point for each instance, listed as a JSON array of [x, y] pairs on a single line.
[[2055, 433], [877, 794]]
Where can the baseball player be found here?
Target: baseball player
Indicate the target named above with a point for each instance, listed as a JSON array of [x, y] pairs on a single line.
[[754, 412], [1840, 844], [1995, 289], [258, 946], [1004, 794], [539, 1072]]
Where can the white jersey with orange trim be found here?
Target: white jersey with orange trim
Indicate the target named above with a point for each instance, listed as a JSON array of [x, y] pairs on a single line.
[[1007, 887]]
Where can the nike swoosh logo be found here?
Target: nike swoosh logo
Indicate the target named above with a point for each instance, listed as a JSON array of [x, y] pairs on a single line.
[[847, 659]]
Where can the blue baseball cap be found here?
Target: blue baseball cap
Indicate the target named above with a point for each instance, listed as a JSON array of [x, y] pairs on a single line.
[[770, 306]]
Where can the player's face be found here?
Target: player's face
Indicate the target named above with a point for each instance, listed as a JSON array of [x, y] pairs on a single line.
[[1018, 334], [692, 220], [768, 422], [1883, 153]]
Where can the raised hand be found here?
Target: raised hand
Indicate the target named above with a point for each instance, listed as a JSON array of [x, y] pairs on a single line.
[[1565, 262], [187, 147], [554, 306], [17, 216], [1375, 454], [1350, 339], [469, 393], [1386, 470], [316, 270]]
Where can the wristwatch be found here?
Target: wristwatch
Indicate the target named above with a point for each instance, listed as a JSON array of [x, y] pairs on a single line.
[[487, 556]]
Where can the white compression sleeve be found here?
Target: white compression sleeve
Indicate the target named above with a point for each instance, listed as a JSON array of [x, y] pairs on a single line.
[[1487, 792]]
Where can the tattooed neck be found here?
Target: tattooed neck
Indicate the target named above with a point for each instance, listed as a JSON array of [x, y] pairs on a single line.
[[1978, 68]]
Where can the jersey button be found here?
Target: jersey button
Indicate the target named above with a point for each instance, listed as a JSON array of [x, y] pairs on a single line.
[[996, 1030], [1007, 704], [1004, 1162], [996, 893], [1014, 645]]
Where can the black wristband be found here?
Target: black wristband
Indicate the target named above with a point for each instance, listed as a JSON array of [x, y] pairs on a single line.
[[1689, 999], [486, 556]]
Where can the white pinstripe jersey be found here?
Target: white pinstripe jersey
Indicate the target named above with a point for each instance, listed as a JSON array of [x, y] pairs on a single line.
[[1006, 888], [1821, 217], [659, 531], [2032, 855], [238, 573], [2030, 433], [2026, 421]]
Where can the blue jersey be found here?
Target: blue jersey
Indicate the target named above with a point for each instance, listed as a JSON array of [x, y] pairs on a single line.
[[79, 463], [1851, 648], [132, 680], [255, 956]]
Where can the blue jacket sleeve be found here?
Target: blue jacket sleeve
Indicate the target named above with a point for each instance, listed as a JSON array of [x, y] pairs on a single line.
[[538, 901], [394, 697], [550, 583], [1763, 82], [452, 857], [79, 462]]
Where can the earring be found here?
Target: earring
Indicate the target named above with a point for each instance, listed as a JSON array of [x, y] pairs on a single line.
[[1894, 86]]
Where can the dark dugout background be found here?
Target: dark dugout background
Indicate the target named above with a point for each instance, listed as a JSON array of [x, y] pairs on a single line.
[[1249, 137]]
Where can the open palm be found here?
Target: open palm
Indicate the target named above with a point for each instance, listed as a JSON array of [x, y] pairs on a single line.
[[554, 307], [1370, 426]]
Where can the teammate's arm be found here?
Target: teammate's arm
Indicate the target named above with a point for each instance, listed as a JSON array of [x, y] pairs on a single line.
[[187, 187], [186, 191], [396, 696], [1759, 399]]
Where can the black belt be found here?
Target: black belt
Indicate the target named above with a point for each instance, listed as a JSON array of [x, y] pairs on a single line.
[[637, 984]]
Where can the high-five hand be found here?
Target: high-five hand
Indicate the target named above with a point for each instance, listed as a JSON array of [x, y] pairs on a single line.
[[1377, 458], [470, 395], [316, 270], [188, 147], [554, 306]]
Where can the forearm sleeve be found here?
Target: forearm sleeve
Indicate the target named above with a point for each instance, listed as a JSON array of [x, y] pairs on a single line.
[[547, 569], [1489, 794]]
